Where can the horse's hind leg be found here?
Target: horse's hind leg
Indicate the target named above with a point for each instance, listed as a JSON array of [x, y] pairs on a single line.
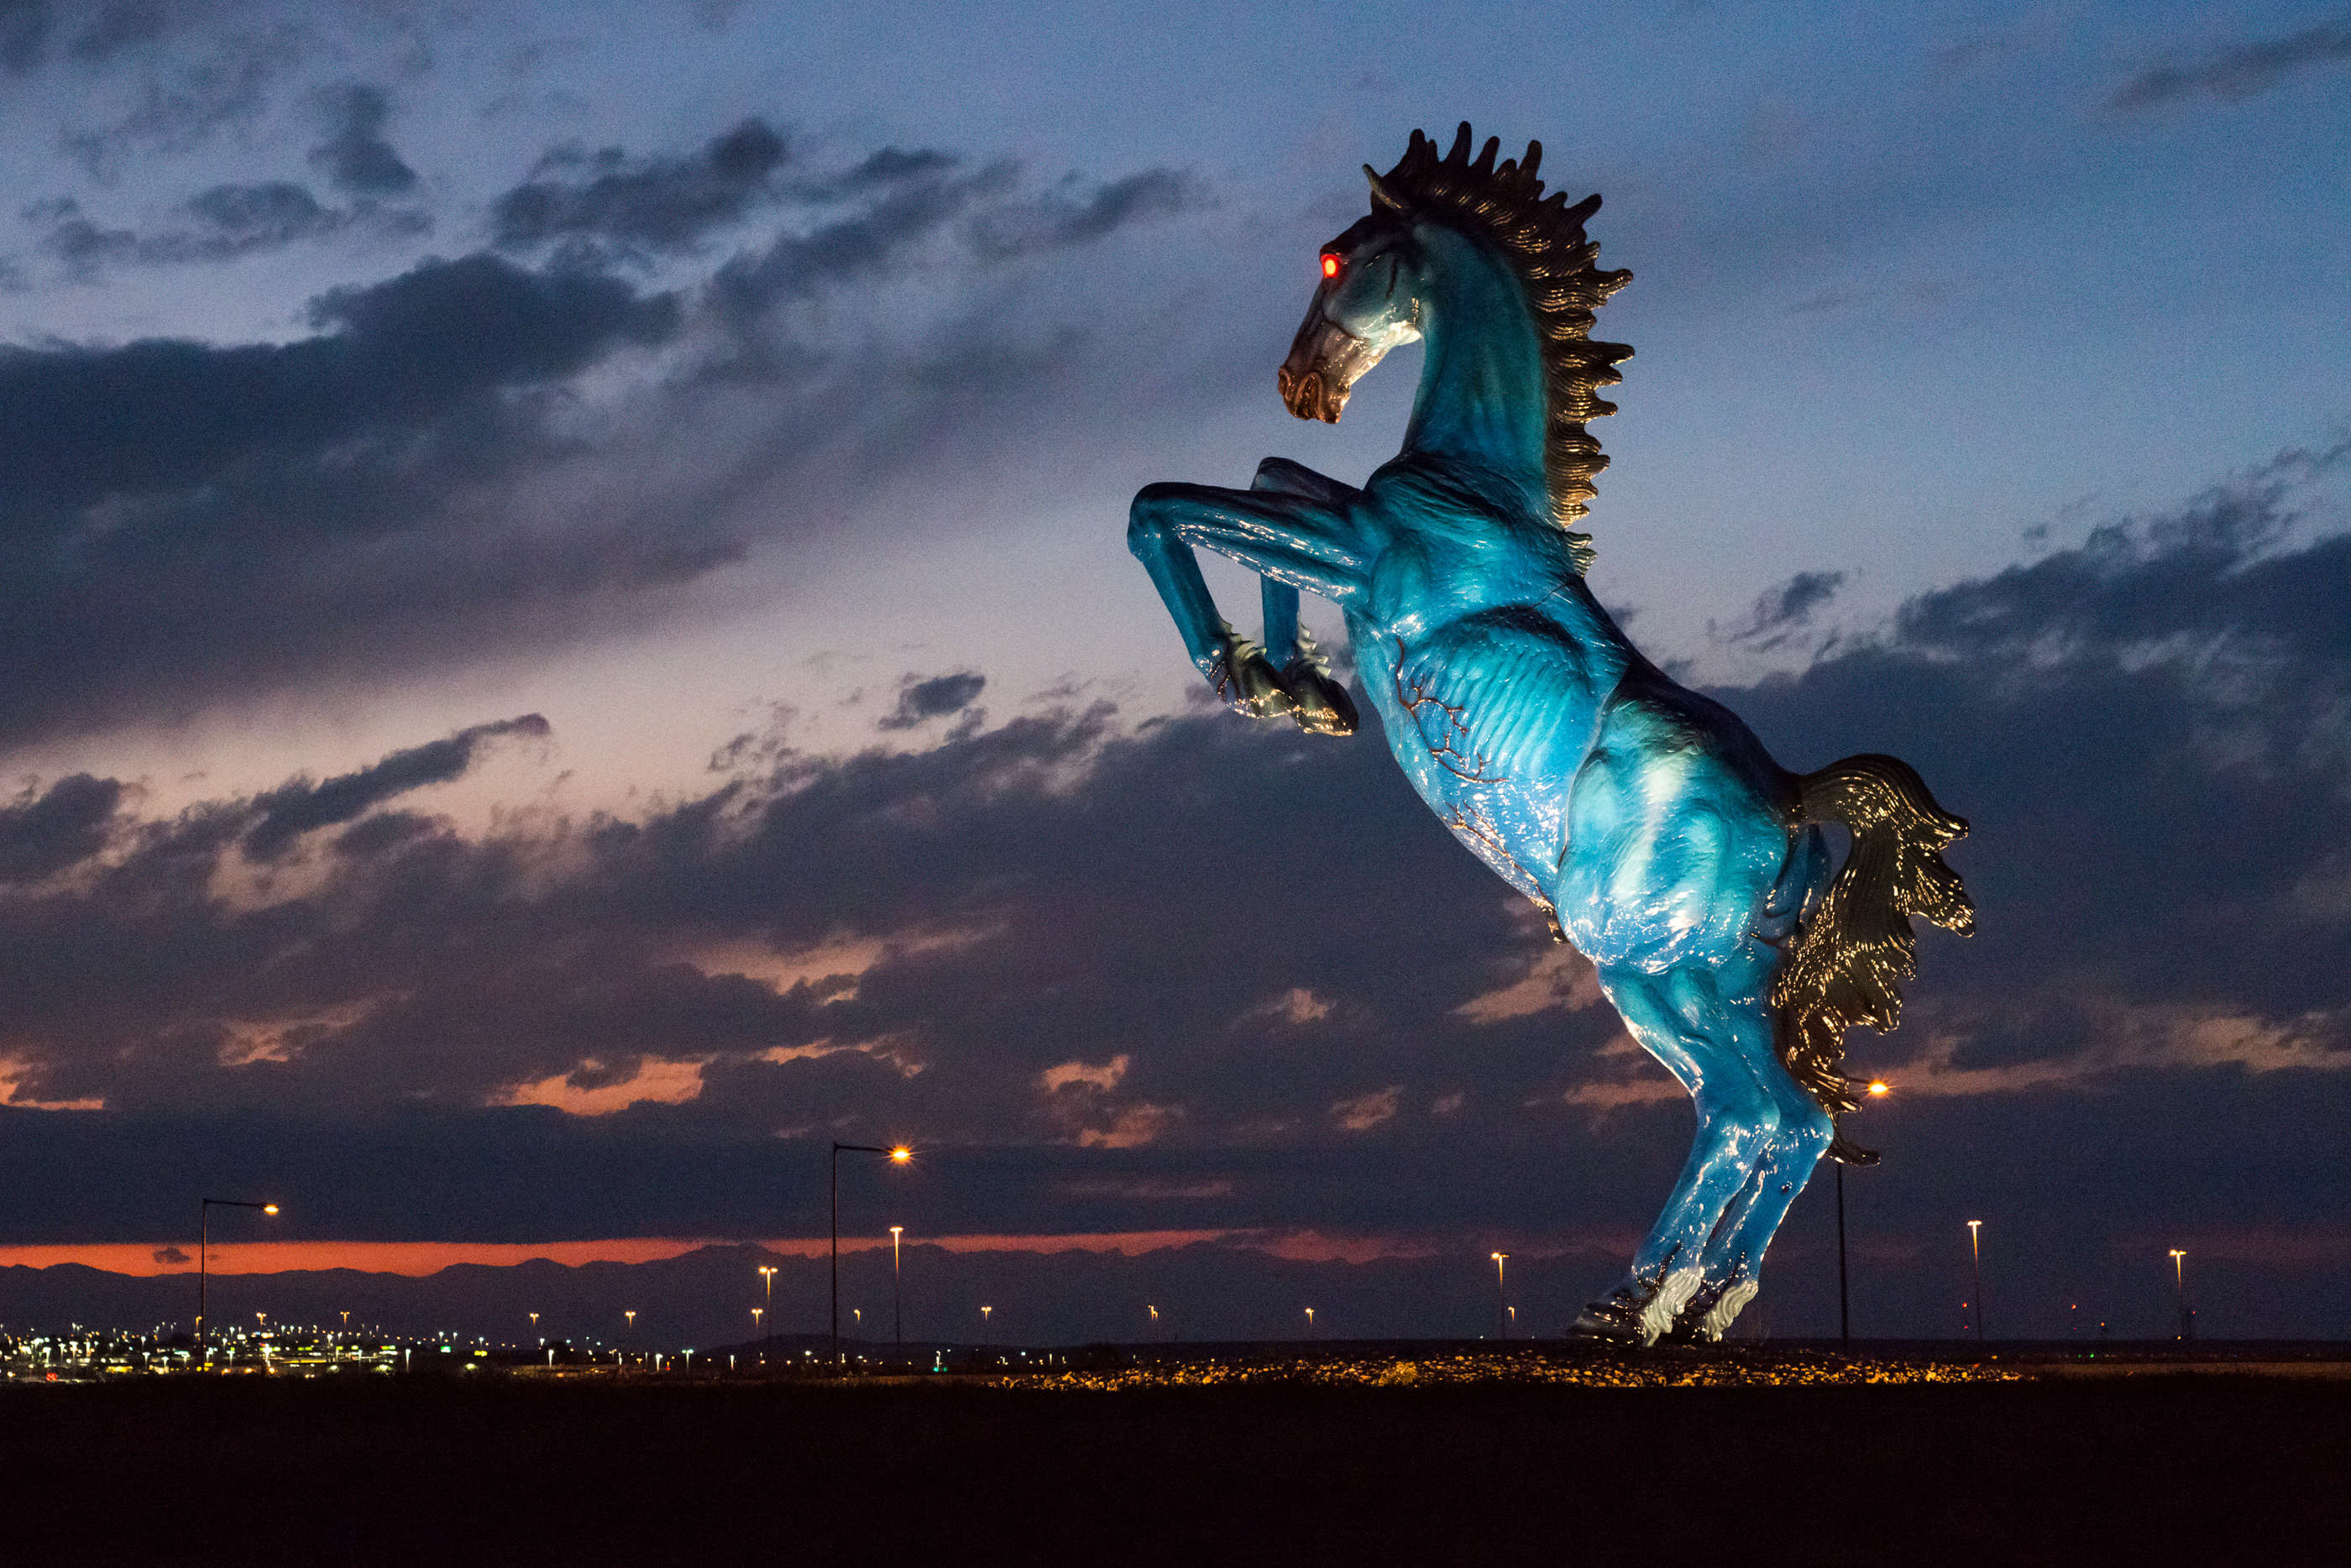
[[1682, 1018], [1732, 1262]]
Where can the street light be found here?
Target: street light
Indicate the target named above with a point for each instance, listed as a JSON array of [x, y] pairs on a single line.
[[1309, 1322], [767, 1277], [897, 1315], [205, 1207], [898, 1155], [1975, 1250], [757, 1313], [2179, 1285], [983, 1317], [1878, 1089], [1501, 1292]]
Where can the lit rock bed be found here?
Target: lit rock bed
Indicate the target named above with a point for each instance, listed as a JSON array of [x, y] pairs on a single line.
[[1792, 1370]]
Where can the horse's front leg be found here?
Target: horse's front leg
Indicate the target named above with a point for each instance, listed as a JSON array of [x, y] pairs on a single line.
[[1295, 540], [1321, 704]]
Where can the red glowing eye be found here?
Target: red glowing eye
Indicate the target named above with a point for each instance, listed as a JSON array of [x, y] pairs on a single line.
[[1330, 265]]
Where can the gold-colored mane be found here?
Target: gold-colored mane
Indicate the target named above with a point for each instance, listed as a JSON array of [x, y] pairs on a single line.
[[1544, 242]]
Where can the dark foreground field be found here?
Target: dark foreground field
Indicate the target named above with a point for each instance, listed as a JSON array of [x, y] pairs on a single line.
[[2157, 1468]]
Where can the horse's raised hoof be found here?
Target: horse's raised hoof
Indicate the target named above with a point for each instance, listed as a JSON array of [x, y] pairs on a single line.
[[1320, 704], [1247, 680]]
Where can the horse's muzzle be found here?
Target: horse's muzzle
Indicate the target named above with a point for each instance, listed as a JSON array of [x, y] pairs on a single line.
[[1324, 361], [1310, 396]]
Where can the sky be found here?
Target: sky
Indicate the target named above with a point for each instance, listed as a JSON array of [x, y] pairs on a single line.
[[570, 639]]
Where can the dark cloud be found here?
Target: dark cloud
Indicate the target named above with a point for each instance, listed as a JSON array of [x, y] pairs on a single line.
[[886, 167], [919, 701], [201, 514], [82, 424], [355, 157], [119, 25], [184, 99], [173, 1256], [1781, 613], [225, 223], [1062, 219], [24, 34], [650, 205], [2239, 72], [64, 825], [266, 215], [1206, 958], [865, 245], [300, 807], [1969, 53], [373, 497]]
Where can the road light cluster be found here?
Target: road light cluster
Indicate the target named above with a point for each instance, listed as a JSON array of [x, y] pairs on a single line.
[[762, 1316]]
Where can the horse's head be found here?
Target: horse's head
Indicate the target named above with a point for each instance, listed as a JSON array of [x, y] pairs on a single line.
[[1367, 303]]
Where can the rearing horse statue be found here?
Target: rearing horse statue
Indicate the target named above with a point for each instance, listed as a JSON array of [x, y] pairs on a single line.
[[1644, 820]]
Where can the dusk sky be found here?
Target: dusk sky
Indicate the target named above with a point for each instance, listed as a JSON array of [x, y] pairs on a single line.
[[569, 636]]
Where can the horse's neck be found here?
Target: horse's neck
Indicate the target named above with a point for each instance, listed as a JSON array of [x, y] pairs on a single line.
[[1481, 396]]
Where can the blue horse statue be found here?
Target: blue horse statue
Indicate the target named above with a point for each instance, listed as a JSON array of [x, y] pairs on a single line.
[[1646, 822]]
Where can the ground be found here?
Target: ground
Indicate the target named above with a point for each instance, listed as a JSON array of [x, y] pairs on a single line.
[[1340, 1460]]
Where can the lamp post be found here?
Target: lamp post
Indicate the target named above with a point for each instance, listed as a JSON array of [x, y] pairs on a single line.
[[1975, 1251], [1878, 1089], [897, 1156], [897, 1313], [1502, 1291], [205, 1207], [1309, 1322], [767, 1277], [2179, 1286], [983, 1318]]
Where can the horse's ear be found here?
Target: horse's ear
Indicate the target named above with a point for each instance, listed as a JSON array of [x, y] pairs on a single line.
[[1381, 197]]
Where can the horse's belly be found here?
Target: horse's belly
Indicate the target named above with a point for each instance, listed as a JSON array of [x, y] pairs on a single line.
[[1489, 718]]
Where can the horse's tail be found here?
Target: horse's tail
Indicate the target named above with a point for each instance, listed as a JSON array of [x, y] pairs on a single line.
[[1848, 961]]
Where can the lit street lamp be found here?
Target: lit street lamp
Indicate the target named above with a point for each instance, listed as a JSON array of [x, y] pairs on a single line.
[[897, 1314], [767, 1277], [983, 1317], [1502, 1291], [2179, 1285], [1878, 1089], [897, 1156], [1975, 1250], [205, 1207], [1309, 1322]]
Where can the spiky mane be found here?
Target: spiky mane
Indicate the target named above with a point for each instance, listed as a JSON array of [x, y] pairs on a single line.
[[1544, 242]]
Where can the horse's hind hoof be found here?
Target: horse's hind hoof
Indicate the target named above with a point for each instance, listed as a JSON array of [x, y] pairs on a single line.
[[1606, 1322], [1708, 1314], [1639, 1312]]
